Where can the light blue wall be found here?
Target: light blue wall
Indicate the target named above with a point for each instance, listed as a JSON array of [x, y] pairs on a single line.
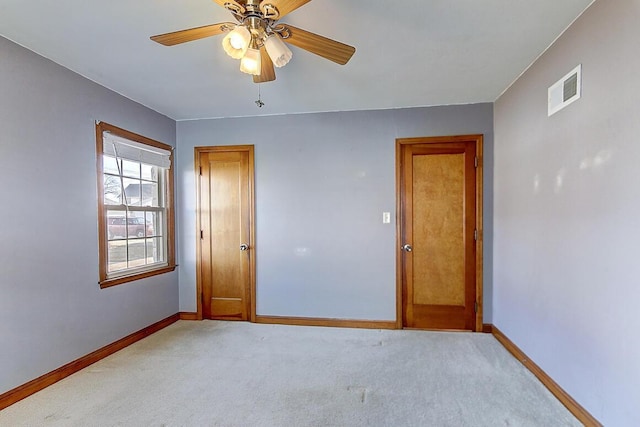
[[322, 184], [51, 308], [567, 197]]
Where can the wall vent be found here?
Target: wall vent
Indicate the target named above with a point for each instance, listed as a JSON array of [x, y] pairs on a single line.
[[565, 91]]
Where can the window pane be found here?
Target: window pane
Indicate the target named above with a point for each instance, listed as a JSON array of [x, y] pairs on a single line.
[[136, 255], [155, 224], [155, 250], [109, 165], [116, 225], [112, 190], [149, 194], [136, 226], [150, 173], [131, 169], [116, 256], [132, 191]]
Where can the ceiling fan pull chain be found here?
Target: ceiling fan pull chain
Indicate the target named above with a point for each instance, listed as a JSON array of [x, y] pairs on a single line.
[[259, 102]]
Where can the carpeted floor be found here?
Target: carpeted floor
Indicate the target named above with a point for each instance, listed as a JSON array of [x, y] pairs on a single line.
[[241, 374]]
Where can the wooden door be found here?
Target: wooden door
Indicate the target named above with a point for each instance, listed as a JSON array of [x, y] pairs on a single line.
[[439, 247], [226, 247]]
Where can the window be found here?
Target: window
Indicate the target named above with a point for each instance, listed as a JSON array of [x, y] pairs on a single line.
[[135, 206]]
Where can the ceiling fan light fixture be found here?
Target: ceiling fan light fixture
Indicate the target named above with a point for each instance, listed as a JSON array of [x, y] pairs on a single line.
[[237, 42], [251, 62], [279, 53]]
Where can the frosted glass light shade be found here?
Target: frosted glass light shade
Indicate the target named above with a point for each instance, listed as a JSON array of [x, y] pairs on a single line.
[[236, 42], [277, 50], [251, 63]]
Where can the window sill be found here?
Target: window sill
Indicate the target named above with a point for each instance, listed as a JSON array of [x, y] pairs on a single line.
[[125, 279]]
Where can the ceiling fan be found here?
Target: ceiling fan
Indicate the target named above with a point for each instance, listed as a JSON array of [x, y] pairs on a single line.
[[257, 37]]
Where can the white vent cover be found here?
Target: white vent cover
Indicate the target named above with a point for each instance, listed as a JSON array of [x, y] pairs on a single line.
[[565, 91]]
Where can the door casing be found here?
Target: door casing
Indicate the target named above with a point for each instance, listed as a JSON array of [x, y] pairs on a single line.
[[252, 259], [400, 142]]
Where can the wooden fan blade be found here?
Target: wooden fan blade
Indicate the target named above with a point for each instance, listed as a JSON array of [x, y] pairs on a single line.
[[183, 36], [332, 50], [267, 72], [284, 6]]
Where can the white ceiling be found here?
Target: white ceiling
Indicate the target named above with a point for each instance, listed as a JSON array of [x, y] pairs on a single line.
[[409, 52]]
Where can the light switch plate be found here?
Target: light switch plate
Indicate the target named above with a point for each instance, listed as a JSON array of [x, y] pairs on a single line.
[[386, 217]]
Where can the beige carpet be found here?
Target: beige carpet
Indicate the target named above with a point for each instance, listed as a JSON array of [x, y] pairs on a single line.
[[242, 374]]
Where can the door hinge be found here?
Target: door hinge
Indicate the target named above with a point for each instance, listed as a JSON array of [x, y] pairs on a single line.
[[201, 234], [200, 170], [475, 234], [475, 161], [475, 306]]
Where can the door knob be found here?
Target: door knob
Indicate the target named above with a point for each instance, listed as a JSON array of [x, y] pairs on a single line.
[[244, 247], [407, 248]]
